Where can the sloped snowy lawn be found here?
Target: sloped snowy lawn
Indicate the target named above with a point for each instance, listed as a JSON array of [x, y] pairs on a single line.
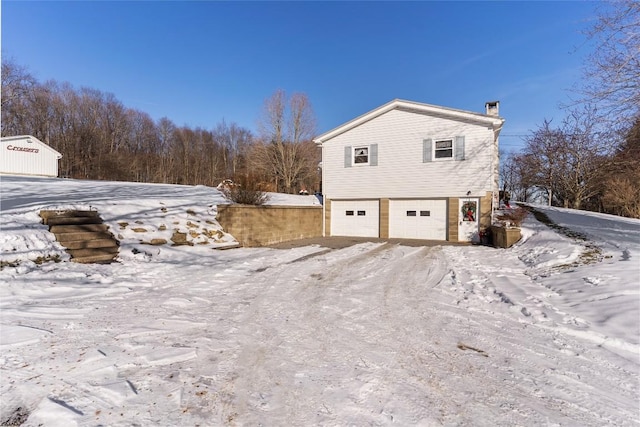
[[374, 334]]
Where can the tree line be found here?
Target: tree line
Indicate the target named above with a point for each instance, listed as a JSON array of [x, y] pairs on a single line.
[[102, 139], [591, 159]]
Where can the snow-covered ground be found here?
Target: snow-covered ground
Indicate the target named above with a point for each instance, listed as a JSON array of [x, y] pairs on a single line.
[[544, 333]]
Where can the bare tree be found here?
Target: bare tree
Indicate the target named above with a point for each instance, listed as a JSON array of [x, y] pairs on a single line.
[[510, 177], [284, 128], [17, 82], [568, 162], [233, 140], [612, 73], [540, 158], [620, 189], [17, 87]]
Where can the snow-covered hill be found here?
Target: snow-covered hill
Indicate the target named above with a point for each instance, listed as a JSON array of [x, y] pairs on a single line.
[[544, 333], [137, 214]]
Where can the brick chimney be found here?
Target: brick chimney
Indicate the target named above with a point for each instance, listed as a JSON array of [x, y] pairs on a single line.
[[492, 108]]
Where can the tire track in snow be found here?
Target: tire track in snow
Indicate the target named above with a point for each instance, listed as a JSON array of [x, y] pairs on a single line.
[[335, 314], [276, 326], [522, 350]]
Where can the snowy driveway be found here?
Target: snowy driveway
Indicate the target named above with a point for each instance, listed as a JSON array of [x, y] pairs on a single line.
[[372, 334]]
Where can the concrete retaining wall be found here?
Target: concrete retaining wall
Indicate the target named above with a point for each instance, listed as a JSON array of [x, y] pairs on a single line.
[[265, 225], [505, 237]]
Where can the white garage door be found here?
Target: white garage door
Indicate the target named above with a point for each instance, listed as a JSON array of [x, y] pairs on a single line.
[[355, 218], [418, 219]]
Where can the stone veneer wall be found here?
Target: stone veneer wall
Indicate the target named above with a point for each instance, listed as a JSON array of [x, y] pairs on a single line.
[[384, 218], [485, 210], [264, 225], [505, 237]]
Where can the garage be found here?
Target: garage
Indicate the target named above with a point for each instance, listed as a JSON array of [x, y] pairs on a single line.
[[355, 218], [418, 219]]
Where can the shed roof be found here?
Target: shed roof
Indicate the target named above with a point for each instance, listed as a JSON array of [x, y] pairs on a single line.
[[495, 122]]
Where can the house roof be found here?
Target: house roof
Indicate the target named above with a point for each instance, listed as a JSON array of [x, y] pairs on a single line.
[[417, 107], [30, 138]]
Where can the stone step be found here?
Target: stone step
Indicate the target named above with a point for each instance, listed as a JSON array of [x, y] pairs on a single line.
[[73, 220], [59, 229], [81, 235], [89, 244]]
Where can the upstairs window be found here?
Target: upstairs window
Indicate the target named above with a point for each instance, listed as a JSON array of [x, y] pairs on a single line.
[[366, 155], [443, 149], [361, 155]]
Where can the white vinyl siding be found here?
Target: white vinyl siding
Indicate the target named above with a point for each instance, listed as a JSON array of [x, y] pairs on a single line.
[[418, 219], [401, 170], [355, 218]]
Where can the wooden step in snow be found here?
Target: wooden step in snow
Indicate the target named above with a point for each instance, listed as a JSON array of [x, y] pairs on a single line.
[[45, 215], [84, 235], [87, 244], [95, 259], [74, 220], [59, 229], [87, 252]]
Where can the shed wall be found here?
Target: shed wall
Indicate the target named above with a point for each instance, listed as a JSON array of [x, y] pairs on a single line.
[[28, 156]]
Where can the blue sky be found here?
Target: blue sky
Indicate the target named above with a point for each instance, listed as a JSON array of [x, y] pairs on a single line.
[[200, 62]]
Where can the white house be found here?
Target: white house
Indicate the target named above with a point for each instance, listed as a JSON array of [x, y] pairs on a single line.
[[411, 170], [27, 155]]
